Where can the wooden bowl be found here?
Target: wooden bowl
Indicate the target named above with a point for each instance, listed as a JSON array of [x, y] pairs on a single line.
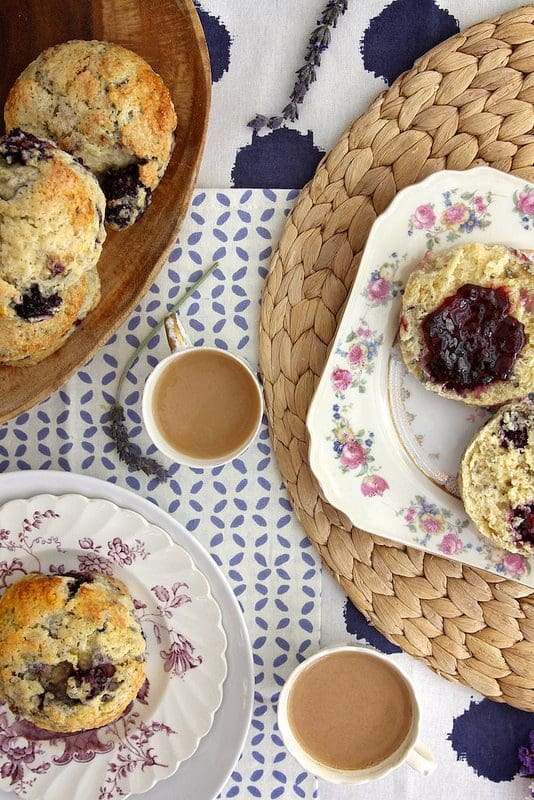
[[168, 34]]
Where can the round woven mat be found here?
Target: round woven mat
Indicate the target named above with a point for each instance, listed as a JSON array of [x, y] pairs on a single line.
[[468, 101]]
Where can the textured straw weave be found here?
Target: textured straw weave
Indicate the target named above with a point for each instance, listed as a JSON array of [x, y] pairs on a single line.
[[468, 101]]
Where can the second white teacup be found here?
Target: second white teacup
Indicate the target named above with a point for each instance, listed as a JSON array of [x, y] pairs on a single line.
[[349, 715]]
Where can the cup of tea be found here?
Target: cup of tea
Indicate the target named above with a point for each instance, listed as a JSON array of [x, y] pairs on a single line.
[[202, 406], [349, 715]]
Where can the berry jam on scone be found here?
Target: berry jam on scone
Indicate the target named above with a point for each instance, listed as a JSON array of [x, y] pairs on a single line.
[[467, 327]]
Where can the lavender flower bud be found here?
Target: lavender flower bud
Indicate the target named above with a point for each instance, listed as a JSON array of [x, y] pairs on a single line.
[[321, 36], [258, 122], [290, 112]]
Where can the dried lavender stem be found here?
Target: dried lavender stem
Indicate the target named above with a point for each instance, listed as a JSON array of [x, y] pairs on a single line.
[[306, 75], [127, 450]]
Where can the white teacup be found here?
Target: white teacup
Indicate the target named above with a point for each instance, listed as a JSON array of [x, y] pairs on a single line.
[[411, 751], [180, 344]]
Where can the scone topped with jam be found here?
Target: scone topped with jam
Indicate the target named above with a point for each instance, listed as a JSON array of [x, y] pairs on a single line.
[[497, 478], [51, 235], [71, 650], [467, 323], [106, 106]]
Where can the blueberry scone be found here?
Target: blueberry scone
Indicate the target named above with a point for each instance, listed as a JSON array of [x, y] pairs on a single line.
[[467, 323], [106, 106], [497, 478], [71, 650], [51, 235]]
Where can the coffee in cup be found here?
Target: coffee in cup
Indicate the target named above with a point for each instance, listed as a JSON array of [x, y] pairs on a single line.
[[202, 406], [349, 715]]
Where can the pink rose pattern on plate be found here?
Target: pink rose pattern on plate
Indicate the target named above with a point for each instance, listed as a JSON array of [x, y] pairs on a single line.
[[524, 206], [356, 360], [461, 214], [382, 287], [426, 520], [353, 453], [470, 210], [27, 751]]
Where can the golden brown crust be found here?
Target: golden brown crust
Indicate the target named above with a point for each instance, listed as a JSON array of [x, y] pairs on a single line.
[[18, 354], [101, 102], [20, 339], [71, 650], [51, 235]]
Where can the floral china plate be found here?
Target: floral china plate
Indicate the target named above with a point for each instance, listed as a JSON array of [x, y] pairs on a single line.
[[385, 450], [186, 647]]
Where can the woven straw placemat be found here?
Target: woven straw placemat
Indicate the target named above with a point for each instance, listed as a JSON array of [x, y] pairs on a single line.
[[468, 101]]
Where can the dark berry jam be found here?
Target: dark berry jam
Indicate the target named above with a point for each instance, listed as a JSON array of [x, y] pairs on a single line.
[[121, 182], [514, 430], [127, 197], [35, 306], [471, 339], [522, 521], [514, 437], [54, 678], [77, 579], [18, 147], [99, 678]]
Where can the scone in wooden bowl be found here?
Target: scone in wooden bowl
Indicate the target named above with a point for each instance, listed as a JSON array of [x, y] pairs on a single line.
[[168, 34]]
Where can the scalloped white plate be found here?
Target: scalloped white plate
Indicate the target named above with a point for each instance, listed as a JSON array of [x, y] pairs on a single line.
[[385, 450], [186, 646]]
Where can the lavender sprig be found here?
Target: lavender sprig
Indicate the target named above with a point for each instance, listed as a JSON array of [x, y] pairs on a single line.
[[307, 74], [126, 449]]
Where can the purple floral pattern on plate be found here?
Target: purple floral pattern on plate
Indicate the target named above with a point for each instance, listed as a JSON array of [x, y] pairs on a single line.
[[132, 744], [357, 360], [459, 214], [24, 753], [524, 206], [383, 287]]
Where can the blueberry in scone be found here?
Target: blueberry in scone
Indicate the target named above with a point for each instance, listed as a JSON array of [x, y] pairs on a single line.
[[497, 477], [51, 235], [467, 323], [107, 106], [71, 650]]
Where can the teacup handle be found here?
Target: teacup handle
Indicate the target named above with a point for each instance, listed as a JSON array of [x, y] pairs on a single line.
[[421, 759], [177, 338]]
